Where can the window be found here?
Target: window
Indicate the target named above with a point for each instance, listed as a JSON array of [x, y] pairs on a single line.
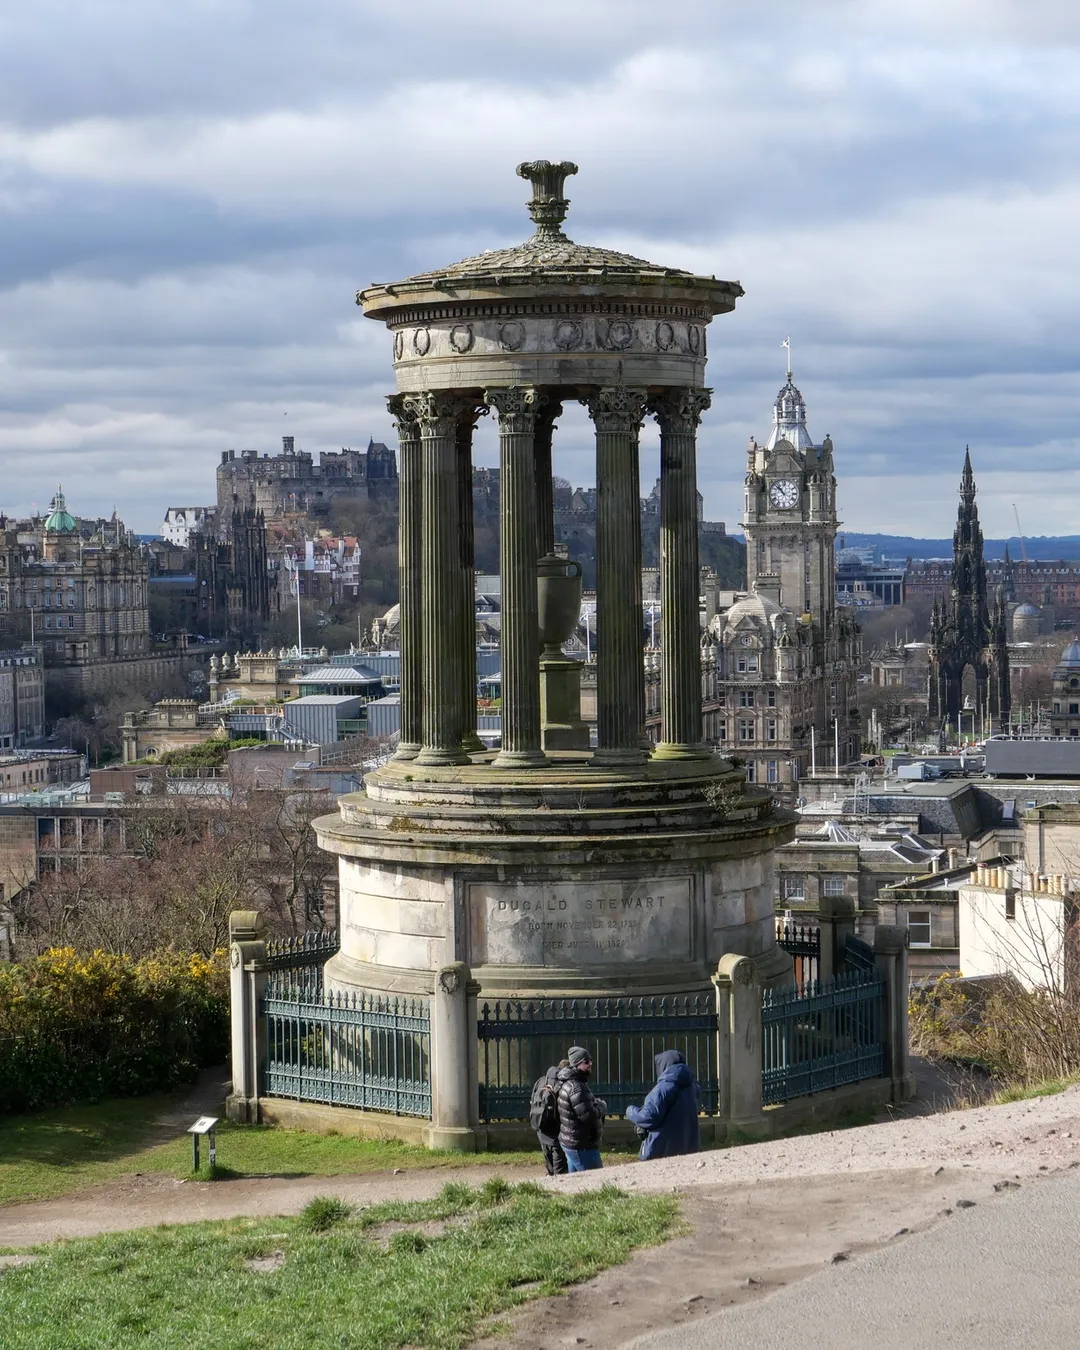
[[721, 731], [751, 664], [746, 698], [746, 731], [741, 666], [918, 926], [773, 771], [1057, 707], [1010, 904], [770, 729], [750, 771], [1074, 709], [832, 885], [770, 698], [794, 886]]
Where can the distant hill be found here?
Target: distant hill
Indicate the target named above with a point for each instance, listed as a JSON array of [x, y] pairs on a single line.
[[1042, 546]]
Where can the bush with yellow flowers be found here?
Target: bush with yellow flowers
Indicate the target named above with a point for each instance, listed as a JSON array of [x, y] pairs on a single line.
[[78, 1027]]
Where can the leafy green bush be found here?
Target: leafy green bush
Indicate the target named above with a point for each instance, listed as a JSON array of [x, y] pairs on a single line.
[[76, 1027]]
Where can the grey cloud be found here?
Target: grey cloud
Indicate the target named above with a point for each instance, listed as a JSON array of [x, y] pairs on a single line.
[[191, 195]]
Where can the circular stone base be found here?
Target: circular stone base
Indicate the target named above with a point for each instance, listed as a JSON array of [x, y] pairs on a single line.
[[594, 880]]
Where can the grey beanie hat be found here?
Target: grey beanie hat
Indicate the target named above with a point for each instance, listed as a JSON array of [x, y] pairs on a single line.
[[577, 1054]]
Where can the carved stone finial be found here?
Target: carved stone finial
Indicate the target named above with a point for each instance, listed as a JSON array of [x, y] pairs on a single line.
[[548, 206]]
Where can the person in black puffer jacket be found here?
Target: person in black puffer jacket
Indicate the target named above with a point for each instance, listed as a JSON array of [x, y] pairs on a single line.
[[581, 1115]]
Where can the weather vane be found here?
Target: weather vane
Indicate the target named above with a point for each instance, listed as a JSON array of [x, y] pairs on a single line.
[[786, 344]]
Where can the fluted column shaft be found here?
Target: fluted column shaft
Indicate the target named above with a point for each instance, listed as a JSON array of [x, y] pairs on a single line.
[[620, 676], [545, 506], [438, 415], [517, 409], [410, 509], [467, 618], [679, 411]]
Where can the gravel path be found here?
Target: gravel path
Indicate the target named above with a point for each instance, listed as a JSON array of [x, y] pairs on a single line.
[[1021, 1138]]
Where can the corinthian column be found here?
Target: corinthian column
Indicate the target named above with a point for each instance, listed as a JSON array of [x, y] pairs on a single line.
[[409, 546], [437, 415], [545, 511], [467, 618], [679, 411], [620, 676], [517, 409]]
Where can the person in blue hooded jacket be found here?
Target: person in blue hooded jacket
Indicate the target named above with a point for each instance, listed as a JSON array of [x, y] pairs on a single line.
[[668, 1120]]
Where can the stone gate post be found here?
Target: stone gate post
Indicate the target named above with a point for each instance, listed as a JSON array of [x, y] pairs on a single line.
[[454, 1108], [891, 958], [738, 1009], [247, 983]]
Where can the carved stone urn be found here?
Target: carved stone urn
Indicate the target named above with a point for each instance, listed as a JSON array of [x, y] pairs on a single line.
[[558, 588]]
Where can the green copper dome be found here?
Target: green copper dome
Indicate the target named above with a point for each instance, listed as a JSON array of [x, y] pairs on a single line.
[[59, 520]]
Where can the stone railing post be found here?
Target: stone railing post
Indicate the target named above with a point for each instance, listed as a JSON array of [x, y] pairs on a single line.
[[836, 919], [738, 1015], [452, 1058], [247, 983], [891, 958]]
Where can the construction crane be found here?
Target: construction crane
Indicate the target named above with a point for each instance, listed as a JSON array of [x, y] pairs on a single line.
[[1020, 532]]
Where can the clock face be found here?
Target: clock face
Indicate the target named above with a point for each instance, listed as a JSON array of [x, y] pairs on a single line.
[[784, 494]]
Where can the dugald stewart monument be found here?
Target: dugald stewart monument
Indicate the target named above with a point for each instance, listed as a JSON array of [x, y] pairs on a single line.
[[549, 867]]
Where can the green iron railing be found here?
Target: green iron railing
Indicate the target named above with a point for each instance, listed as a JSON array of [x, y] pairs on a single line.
[[828, 1035], [303, 957], [858, 955], [520, 1040], [365, 1050], [803, 944]]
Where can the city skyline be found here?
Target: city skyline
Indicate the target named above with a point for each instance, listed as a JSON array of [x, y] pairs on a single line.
[[191, 200]]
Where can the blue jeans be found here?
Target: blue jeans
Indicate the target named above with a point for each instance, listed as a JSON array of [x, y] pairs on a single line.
[[583, 1159]]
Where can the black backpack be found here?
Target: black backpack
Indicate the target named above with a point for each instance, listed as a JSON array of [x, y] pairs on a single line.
[[544, 1108]]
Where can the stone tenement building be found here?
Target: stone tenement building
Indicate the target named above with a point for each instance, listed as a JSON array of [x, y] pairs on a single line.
[[22, 697], [965, 631], [1048, 583], [84, 603], [293, 484], [786, 659]]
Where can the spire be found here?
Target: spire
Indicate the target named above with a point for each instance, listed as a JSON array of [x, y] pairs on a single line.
[[967, 479]]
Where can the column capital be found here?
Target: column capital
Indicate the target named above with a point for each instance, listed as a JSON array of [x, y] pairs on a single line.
[[679, 410], [438, 412], [614, 408], [404, 417], [517, 406]]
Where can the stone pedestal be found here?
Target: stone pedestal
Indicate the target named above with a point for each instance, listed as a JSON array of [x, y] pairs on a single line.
[[560, 705], [591, 882]]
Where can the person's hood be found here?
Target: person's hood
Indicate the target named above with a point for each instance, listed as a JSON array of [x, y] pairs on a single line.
[[670, 1064], [570, 1074], [552, 1075]]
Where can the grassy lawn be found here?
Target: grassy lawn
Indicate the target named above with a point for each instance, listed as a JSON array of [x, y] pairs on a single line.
[[54, 1153], [426, 1278]]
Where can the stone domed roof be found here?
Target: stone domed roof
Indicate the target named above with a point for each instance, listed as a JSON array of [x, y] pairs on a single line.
[[1071, 655], [59, 519], [755, 607], [1026, 611], [549, 257]]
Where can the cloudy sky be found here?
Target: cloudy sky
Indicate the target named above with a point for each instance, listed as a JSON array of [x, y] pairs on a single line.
[[192, 191]]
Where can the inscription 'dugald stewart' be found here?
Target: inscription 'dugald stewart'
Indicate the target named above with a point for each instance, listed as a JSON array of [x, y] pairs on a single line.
[[563, 924]]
